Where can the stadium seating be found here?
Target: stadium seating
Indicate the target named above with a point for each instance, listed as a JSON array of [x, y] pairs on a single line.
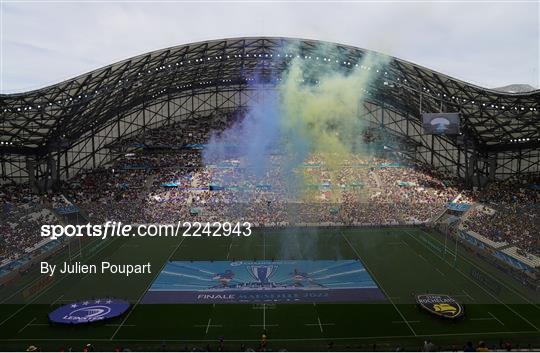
[[166, 182]]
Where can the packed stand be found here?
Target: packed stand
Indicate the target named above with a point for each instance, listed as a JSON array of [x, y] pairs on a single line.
[[509, 212], [159, 177], [21, 217]]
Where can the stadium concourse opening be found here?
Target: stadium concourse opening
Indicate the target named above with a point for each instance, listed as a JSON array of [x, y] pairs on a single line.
[[314, 196]]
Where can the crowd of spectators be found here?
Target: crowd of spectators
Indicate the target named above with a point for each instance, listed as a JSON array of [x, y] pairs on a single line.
[[166, 181], [509, 212], [363, 192], [21, 217]]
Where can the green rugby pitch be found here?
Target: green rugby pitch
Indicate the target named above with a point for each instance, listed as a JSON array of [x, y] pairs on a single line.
[[403, 262]]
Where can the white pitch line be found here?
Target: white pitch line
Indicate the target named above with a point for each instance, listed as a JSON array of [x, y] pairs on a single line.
[[86, 275], [264, 316], [380, 286], [130, 246], [478, 285], [398, 243], [229, 250], [495, 317], [119, 325], [57, 299], [320, 326], [34, 281], [491, 276], [146, 290], [208, 325], [265, 326], [402, 322], [25, 326], [467, 294], [49, 288], [441, 272]]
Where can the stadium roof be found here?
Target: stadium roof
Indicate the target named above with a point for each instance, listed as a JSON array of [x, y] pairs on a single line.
[[43, 120]]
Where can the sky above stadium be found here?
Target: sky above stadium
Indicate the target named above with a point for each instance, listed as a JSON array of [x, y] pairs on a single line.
[[489, 44]]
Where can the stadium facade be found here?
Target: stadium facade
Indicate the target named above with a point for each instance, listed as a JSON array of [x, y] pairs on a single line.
[[53, 133]]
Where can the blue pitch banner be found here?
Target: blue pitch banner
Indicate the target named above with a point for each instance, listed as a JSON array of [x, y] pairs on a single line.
[[88, 311], [263, 282]]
